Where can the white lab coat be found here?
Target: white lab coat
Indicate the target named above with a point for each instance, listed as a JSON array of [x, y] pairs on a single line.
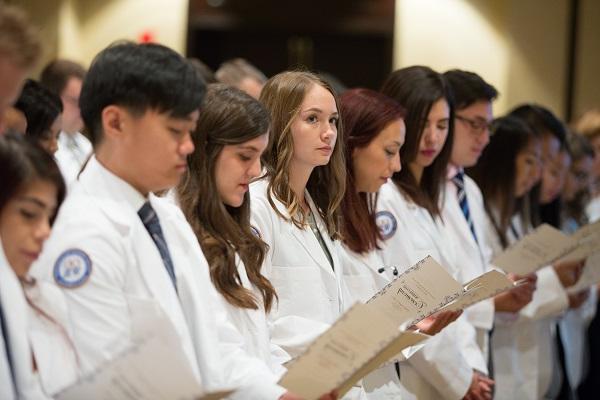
[[573, 333], [100, 218], [52, 347], [310, 291], [523, 343], [593, 209], [474, 255], [16, 318], [573, 328], [443, 368], [73, 151], [253, 326], [312, 294], [363, 279]]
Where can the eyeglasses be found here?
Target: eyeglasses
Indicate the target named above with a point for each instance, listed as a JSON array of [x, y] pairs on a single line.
[[477, 125]]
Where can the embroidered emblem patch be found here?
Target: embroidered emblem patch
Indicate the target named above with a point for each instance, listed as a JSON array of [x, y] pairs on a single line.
[[72, 269], [387, 224]]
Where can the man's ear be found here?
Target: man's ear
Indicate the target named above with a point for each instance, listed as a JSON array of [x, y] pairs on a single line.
[[114, 121]]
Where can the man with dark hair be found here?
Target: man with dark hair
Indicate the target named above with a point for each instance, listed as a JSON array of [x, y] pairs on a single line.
[[65, 78], [473, 113], [115, 244], [464, 210], [473, 99]]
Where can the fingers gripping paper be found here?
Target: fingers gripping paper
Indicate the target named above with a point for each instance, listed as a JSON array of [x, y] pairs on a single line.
[[481, 288], [590, 275], [427, 288], [369, 335], [588, 242]]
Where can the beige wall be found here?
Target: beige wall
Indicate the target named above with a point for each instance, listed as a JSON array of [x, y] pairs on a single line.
[[587, 82], [44, 15], [79, 29], [512, 44]]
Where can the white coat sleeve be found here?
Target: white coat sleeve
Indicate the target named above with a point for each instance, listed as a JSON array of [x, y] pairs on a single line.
[[98, 314], [252, 377], [467, 338], [441, 363]]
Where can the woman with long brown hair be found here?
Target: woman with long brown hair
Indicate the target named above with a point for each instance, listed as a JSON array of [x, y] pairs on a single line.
[[451, 364], [374, 133], [507, 172], [230, 138]]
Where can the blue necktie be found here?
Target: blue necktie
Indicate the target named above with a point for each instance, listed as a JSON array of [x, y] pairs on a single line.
[[4, 329], [150, 220], [459, 181]]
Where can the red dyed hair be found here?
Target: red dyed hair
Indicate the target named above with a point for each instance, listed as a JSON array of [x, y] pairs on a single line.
[[365, 113]]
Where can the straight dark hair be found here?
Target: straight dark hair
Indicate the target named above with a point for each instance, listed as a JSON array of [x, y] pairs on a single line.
[[365, 113], [543, 122], [495, 172], [21, 163], [228, 116], [468, 88], [41, 108], [417, 88], [139, 77]]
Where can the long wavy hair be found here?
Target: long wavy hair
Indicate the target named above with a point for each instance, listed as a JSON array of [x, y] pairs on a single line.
[[365, 114], [417, 88], [282, 95], [496, 173], [228, 116]]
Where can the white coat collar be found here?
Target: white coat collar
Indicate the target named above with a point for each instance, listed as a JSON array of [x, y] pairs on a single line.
[[452, 171], [119, 202], [305, 237], [116, 187], [320, 256]]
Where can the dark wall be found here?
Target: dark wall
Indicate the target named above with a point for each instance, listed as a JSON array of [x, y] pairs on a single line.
[[350, 39]]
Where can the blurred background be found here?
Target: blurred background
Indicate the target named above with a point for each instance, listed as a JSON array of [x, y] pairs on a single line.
[[545, 51]]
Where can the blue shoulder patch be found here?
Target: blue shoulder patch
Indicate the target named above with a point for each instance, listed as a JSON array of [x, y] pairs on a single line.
[[72, 268], [387, 224]]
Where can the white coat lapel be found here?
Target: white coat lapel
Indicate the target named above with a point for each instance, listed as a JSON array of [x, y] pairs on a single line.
[[147, 256], [153, 269], [464, 231], [316, 251]]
